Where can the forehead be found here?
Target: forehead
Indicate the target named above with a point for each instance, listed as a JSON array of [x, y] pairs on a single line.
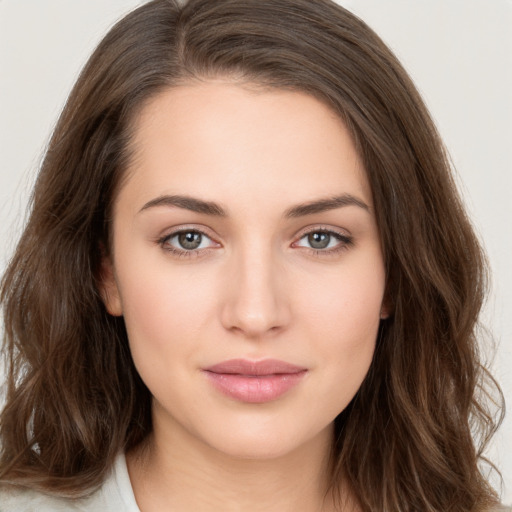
[[233, 143]]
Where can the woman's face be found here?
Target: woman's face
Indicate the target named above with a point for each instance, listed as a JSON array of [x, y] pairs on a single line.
[[247, 265]]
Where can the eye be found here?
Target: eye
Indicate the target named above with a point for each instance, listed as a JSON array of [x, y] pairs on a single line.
[[324, 241], [186, 242]]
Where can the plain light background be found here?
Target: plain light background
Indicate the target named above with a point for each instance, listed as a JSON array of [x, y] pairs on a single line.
[[459, 52]]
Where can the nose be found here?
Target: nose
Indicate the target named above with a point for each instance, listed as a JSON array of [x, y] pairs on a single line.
[[256, 300]]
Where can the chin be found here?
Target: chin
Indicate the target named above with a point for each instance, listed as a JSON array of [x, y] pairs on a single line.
[[266, 441]]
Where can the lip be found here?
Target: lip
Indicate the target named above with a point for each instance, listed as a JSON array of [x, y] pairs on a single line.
[[254, 381]]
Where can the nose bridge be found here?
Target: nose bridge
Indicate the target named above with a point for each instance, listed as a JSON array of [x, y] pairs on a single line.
[[257, 301]]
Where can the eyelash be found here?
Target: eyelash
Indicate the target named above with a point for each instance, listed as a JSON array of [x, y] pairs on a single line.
[[345, 242]]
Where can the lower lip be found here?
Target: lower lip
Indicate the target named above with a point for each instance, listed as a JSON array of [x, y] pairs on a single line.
[[254, 389]]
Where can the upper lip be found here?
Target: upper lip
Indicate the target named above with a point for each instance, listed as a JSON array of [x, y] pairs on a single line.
[[247, 367]]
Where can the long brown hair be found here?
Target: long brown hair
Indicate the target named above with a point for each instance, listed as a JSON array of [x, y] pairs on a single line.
[[414, 434]]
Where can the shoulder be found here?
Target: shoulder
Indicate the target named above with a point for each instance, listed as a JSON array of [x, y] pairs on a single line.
[[114, 495], [27, 500], [16, 499]]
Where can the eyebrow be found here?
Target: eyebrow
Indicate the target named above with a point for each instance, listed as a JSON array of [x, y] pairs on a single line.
[[210, 208], [187, 203], [323, 205]]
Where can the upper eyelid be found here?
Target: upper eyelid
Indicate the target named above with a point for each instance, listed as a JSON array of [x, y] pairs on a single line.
[[339, 232], [185, 229], [301, 232]]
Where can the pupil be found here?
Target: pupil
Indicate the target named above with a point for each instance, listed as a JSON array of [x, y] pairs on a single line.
[[319, 240], [190, 240]]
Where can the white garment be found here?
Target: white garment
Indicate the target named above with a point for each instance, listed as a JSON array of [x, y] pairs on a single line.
[[115, 495]]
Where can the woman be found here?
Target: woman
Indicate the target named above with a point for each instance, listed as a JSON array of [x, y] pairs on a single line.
[[247, 281]]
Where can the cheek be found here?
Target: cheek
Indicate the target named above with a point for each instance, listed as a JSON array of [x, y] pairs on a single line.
[[346, 331], [345, 305], [164, 308], [342, 318]]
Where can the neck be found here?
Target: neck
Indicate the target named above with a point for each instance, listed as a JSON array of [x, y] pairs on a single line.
[[179, 472]]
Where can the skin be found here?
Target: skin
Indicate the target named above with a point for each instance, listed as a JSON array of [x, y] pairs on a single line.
[[255, 289]]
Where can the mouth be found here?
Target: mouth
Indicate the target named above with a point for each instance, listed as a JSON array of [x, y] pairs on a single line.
[[254, 381]]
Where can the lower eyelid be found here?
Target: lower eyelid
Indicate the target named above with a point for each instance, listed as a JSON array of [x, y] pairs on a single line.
[[342, 238]]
